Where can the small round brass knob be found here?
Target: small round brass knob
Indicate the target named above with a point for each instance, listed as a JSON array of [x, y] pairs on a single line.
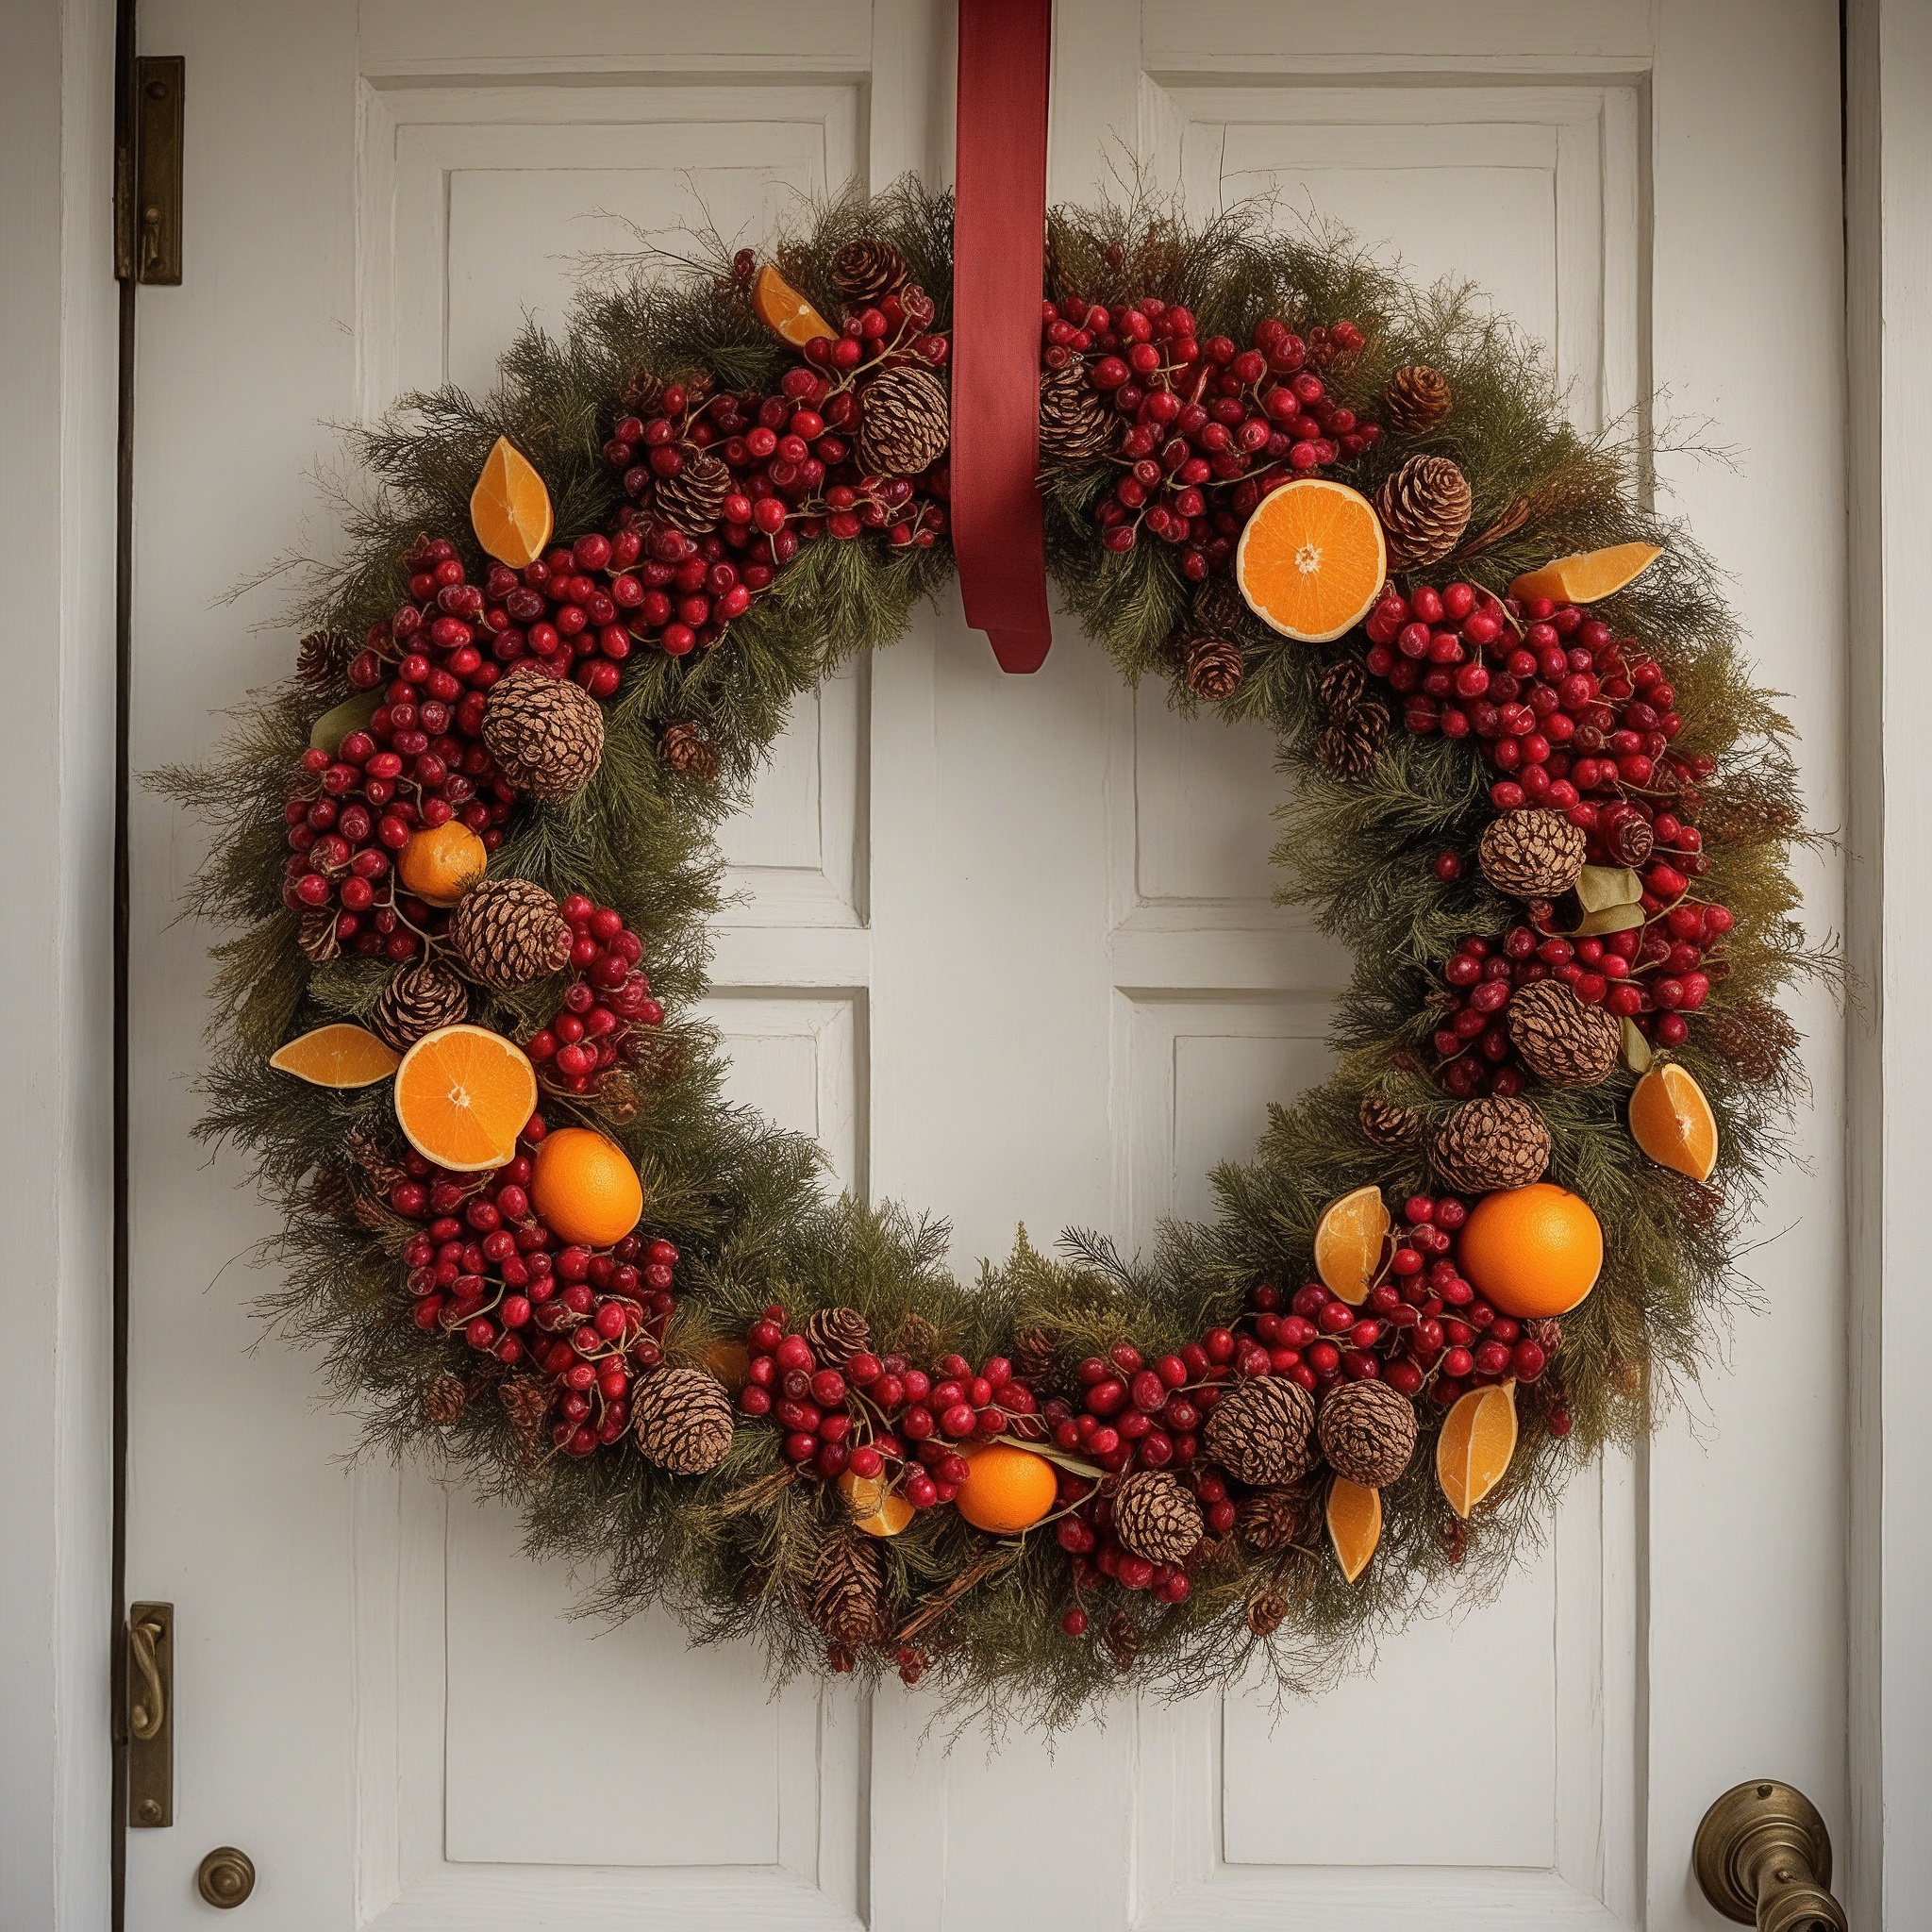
[[226, 1877]]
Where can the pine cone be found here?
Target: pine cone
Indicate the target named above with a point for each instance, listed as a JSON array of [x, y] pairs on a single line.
[[333, 1193], [322, 656], [545, 733], [1496, 1143], [1259, 1430], [1417, 399], [1367, 1431], [916, 1340], [444, 1400], [1213, 666], [683, 1419], [691, 500], [527, 1401], [1037, 1353], [507, 932], [837, 1335], [316, 934], [685, 748], [1120, 1638], [1535, 854], [1218, 607], [1626, 834], [1423, 509], [1386, 1125], [1265, 1612], [867, 271], [1272, 1518], [1559, 1037], [643, 394], [1155, 1518], [1350, 746], [905, 424], [1756, 1038], [1511, 519], [1075, 426], [843, 1598], [1344, 685], [417, 999]]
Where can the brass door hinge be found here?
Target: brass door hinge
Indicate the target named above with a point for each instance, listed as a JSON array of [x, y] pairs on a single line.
[[147, 175], [151, 1715]]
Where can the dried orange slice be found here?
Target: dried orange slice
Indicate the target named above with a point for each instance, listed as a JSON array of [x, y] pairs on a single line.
[[1671, 1121], [1311, 561], [1478, 1439], [876, 1507], [463, 1094], [1006, 1489], [785, 312], [338, 1054], [1534, 1250], [1348, 1244], [509, 507], [1587, 575], [584, 1187], [442, 862], [1355, 1525]]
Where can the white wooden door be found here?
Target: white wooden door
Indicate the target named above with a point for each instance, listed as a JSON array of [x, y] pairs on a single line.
[[1006, 948]]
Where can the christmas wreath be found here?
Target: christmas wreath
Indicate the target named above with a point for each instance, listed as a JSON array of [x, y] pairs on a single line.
[[467, 854]]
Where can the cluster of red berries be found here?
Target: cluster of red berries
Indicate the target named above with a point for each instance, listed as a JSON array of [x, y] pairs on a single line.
[[1212, 427], [486, 1266], [609, 995], [880, 1414]]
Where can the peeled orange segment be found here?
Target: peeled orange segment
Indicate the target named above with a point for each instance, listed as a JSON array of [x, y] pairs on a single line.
[[585, 1188], [1348, 1244], [1587, 575], [509, 507], [1532, 1252], [442, 862], [463, 1094], [876, 1507], [1671, 1121], [1005, 1489], [1478, 1439], [785, 312], [1311, 561], [1355, 1525], [338, 1055]]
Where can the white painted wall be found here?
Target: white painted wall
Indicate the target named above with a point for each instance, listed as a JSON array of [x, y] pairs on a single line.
[[58, 310]]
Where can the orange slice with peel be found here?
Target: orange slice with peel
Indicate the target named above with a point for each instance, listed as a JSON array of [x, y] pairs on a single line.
[[1478, 1439], [1354, 1515], [1671, 1121], [1348, 1244], [1311, 561], [509, 507], [1005, 1489], [785, 312], [442, 862], [1588, 575], [877, 1508], [463, 1094], [338, 1055]]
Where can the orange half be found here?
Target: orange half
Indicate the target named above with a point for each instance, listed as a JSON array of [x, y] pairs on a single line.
[[1355, 1525], [1478, 1439], [1348, 1244], [1588, 575], [338, 1055], [509, 507], [1311, 561], [463, 1094], [1671, 1121], [785, 312], [877, 1508]]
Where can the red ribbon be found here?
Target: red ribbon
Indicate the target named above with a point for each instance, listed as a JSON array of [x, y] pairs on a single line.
[[998, 238]]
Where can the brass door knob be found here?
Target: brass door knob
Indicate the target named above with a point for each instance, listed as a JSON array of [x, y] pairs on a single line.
[[226, 1877], [1763, 1857]]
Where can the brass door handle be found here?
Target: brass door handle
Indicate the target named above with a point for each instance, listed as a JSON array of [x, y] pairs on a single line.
[[1763, 1858], [148, 1707]]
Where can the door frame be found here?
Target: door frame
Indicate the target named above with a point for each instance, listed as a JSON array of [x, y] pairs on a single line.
[[69, 332]]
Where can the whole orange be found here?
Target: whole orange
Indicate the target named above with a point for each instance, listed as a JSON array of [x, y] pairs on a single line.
[[1006, 1489], [1533, 1251], [585, 1188], [441, 862]]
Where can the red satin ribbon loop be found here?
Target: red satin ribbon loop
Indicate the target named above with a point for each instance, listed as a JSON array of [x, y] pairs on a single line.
[[998, 239]]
